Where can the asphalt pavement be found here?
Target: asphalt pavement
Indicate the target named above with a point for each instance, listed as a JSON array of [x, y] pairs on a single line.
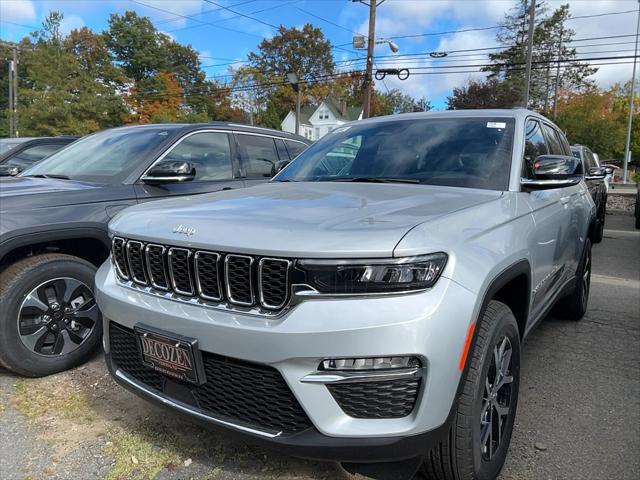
[[578, 415]]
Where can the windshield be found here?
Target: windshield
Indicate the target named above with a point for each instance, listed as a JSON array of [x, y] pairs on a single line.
[[5, 146], [461, 152], [107, 156]]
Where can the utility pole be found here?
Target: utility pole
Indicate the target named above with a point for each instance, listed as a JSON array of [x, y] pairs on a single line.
[[13, 88], [627, 146], [371, 45], [527, 74], [555, 90], [10, 109], [14, 107]]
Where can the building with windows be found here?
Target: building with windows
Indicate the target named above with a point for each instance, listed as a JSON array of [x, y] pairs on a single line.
[[318, 120]]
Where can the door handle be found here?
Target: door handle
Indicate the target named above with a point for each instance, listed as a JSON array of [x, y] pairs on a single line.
[[227, 188]]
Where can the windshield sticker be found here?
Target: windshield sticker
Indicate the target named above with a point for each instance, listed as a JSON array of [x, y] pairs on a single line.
[[496, 125]]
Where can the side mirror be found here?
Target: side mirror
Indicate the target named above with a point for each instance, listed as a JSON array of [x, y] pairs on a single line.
[[281, 165], [169, 171], [9, 170], [553, 171], [596, 173]]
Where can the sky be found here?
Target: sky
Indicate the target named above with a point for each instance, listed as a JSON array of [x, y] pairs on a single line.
[[223, 37]]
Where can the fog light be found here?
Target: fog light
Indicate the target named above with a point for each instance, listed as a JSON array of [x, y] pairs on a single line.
[[375, 363]]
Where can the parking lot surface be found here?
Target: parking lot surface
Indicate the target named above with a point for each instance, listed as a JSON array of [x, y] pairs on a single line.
[[578, 415]]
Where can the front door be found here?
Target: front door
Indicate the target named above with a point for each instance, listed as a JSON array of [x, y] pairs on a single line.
[[213, 156]]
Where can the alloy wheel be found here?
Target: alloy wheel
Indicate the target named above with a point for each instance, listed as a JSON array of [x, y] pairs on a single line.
[[57, 317], [496, 399]]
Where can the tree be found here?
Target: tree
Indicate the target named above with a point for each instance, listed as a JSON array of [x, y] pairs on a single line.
[[394, 101], [305, 52], [67, 84], [160, 102], [489, 93], [593, 119], [551, 43]]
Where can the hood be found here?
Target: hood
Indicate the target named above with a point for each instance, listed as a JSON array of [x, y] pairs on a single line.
[[304, 220], [31, 192]]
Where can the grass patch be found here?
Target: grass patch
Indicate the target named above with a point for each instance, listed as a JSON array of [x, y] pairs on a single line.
[[141, 453], [40, 398]]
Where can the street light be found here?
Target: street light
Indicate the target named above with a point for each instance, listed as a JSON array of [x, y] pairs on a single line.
[[393, 46], [293, 79]]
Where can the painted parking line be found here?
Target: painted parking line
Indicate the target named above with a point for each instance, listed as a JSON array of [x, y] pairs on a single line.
[[628, 233], [615, 281]]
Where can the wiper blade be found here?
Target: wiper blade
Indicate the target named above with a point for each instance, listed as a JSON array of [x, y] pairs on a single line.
[[376, 180], [49, 175]]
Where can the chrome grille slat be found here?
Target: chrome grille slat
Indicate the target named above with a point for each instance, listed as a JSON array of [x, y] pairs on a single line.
[[273, 282], [135, 257], [231, 281], [179, 260], [238, 270], [156, 267], [207, 273], [119, 257]]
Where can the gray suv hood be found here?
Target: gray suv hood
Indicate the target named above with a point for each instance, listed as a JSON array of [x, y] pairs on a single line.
[[305, 220]]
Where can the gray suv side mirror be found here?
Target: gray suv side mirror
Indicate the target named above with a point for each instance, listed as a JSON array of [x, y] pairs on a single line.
[[553, 171], [596, 173], [169, 171]]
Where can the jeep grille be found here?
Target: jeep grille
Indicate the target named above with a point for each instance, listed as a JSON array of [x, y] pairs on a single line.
[[213, 277]]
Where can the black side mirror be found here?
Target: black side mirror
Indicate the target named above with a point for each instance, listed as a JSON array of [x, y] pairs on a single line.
[[554, 171], [596, 173], [281, 165], [9, 170], [169, 171]]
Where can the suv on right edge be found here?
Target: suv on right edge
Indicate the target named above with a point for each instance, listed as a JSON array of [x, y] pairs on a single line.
[[368, 305]]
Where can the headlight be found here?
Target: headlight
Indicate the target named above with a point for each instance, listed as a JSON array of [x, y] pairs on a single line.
[[374, 276]]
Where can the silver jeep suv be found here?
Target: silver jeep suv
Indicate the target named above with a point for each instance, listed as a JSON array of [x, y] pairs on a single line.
[[369, 304]]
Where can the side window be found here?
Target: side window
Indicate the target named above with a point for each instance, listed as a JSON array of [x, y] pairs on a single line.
[[282, 150], [589, 161], [259, 155], [210, 154], [295, 148], [565, 144], [534, 146], [34, 154], [552, 140]]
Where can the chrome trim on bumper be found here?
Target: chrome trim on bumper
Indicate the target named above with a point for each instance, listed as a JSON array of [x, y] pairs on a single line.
[[338, 377], [184, 409]]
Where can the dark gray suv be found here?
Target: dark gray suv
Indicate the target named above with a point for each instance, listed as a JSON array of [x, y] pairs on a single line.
[[53, 223]]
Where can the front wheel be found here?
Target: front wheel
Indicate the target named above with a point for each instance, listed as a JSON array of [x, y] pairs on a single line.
[[480, 433], [49, 320]]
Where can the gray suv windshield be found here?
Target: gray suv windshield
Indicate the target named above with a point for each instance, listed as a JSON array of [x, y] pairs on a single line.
[[102, 157], [463, 152]]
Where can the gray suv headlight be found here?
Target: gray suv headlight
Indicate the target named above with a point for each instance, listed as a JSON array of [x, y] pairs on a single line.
[[375, 275]]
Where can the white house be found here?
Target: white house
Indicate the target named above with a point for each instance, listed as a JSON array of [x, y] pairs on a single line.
[[318, 120]]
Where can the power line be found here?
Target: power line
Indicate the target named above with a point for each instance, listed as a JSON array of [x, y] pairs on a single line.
[[242, 14], [204, 12]]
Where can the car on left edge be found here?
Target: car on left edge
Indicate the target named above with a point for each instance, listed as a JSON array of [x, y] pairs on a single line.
[[53, 223], [18, 154]]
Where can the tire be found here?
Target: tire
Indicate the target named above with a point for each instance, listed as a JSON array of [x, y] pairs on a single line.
[[598, 232], [574, 306], [49, 321], [461, 456]]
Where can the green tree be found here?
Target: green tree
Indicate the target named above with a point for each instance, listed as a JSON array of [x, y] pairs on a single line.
[[551, 43], [489, 93], [394, 101]]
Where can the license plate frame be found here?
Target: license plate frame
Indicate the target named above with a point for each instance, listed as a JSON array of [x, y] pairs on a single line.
[[173, 355]]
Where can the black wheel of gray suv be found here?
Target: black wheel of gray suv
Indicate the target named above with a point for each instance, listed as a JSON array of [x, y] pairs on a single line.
[[598, 233], [574, 306], [49, 319], [479, 436]]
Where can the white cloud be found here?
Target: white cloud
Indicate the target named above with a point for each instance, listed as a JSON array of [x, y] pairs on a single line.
[[17, 10], [71, 22]]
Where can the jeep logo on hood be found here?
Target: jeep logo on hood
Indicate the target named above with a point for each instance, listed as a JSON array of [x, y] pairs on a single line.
[[188, 231]]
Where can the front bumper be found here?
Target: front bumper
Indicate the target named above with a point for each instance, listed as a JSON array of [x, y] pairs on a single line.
[[431, 325]]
